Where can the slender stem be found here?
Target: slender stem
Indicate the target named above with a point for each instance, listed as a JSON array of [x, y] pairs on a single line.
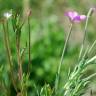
[[29, 44], [85, 31], [64, 49], [62, 56], [7, 45], [19, 62], [18, 54]]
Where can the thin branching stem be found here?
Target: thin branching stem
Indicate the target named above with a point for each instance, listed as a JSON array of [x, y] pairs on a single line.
[[7, 45], [18, 54], [62, 56]]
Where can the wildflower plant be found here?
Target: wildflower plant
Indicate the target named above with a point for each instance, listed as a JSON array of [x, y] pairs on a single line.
[[18, 81], [74, 17], [75, 84]]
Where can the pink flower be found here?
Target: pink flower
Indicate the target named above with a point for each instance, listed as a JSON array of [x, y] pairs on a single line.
[[75, 17]]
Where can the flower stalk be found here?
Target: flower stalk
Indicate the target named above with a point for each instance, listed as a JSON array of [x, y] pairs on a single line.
[[29, 33], [18, 33], [62, 57], [10, 59], [85, 31]]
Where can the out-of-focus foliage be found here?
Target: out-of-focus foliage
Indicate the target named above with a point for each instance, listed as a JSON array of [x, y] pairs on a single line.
[[10, 5]]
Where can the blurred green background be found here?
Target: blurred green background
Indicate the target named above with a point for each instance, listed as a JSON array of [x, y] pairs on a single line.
[[49, 28]]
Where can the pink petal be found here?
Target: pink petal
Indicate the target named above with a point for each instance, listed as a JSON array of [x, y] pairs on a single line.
[[75, 14], [82, 17], [71, 14], [77, 19]]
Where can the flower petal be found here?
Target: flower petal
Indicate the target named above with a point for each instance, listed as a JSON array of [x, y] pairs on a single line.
[[82, 17], [77, 19], [71, 14], [7, 15]]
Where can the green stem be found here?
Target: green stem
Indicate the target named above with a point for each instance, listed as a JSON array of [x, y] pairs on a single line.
[[85, 31], [18, 55], [7, 45], [29, 45], [62, 56]]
